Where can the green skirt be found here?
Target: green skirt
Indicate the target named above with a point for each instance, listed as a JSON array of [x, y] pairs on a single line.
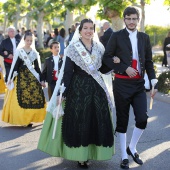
[[57, 148]]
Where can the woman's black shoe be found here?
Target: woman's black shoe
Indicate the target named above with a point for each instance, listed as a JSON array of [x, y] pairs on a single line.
[[83, 165]]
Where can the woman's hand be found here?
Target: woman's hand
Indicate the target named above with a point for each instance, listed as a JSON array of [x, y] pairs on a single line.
[[43, 84], [116, 59], [9, 82], [59, 102]]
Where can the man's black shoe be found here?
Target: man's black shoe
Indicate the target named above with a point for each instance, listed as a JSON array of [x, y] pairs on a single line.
[[135, 157], [124, 164]]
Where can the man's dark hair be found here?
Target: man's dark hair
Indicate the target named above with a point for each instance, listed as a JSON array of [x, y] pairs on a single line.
[[130, 10], [54, 42]]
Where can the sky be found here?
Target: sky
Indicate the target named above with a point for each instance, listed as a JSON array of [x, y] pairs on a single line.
[[155, 14]]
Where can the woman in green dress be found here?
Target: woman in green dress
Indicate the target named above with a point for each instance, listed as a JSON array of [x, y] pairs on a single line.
[[85, 130]]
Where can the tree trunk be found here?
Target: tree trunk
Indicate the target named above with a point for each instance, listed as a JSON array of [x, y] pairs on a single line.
[[49, 27], [17, 16], [68, 21], [117, 23], [142, 23], [28, 22], [40, 29], [5, 23]]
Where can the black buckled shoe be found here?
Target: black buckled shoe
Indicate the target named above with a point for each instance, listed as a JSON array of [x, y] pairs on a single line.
[[124, 164], [29, 125], [83, 165], [135, 157]]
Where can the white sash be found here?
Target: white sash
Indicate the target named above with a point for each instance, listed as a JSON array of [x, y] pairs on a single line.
[[91, 69], [28, 63]]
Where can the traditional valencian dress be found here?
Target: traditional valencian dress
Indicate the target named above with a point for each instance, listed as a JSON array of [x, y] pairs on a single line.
[[2, 82], [85, 131], [25, 103]]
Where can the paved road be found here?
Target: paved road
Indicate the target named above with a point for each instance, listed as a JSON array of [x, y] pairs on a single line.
[[18, 146]]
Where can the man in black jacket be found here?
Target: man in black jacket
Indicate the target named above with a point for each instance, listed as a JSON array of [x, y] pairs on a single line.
[[134, 51], [107, 34], [7, 49]]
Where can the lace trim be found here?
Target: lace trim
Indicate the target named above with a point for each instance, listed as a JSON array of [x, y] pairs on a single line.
[[96, 56]]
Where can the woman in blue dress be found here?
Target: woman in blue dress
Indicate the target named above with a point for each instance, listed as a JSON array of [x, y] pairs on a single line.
[[61, 39]]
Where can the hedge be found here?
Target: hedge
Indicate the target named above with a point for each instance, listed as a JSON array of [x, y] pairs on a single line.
[[44, 53], [164, 82], [157, 58]]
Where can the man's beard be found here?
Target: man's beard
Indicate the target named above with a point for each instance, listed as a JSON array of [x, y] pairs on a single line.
[[131, 29]]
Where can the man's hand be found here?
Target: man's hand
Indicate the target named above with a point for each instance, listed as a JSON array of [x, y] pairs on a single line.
[[10, 56], [116, 59], [131, 72], [5, 52], [154, 92]]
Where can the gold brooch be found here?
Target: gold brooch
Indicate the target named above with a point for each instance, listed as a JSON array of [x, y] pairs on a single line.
[[93, 57]]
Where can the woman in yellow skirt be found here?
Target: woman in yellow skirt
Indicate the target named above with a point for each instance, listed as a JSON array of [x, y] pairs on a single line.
[[24, 102], [2, 82]]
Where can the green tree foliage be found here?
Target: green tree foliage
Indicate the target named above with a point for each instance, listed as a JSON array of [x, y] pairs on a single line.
[[109, 9], [14, 9], [1, 13], [82, 5], [157, 34], [112, 11], [167, 2]]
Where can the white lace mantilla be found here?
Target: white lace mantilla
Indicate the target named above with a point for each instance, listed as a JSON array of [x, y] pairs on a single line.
[[32, 55], [96, 56]]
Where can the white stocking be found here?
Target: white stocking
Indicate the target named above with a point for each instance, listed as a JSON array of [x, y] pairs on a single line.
[[135, 138], [123, 145]]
